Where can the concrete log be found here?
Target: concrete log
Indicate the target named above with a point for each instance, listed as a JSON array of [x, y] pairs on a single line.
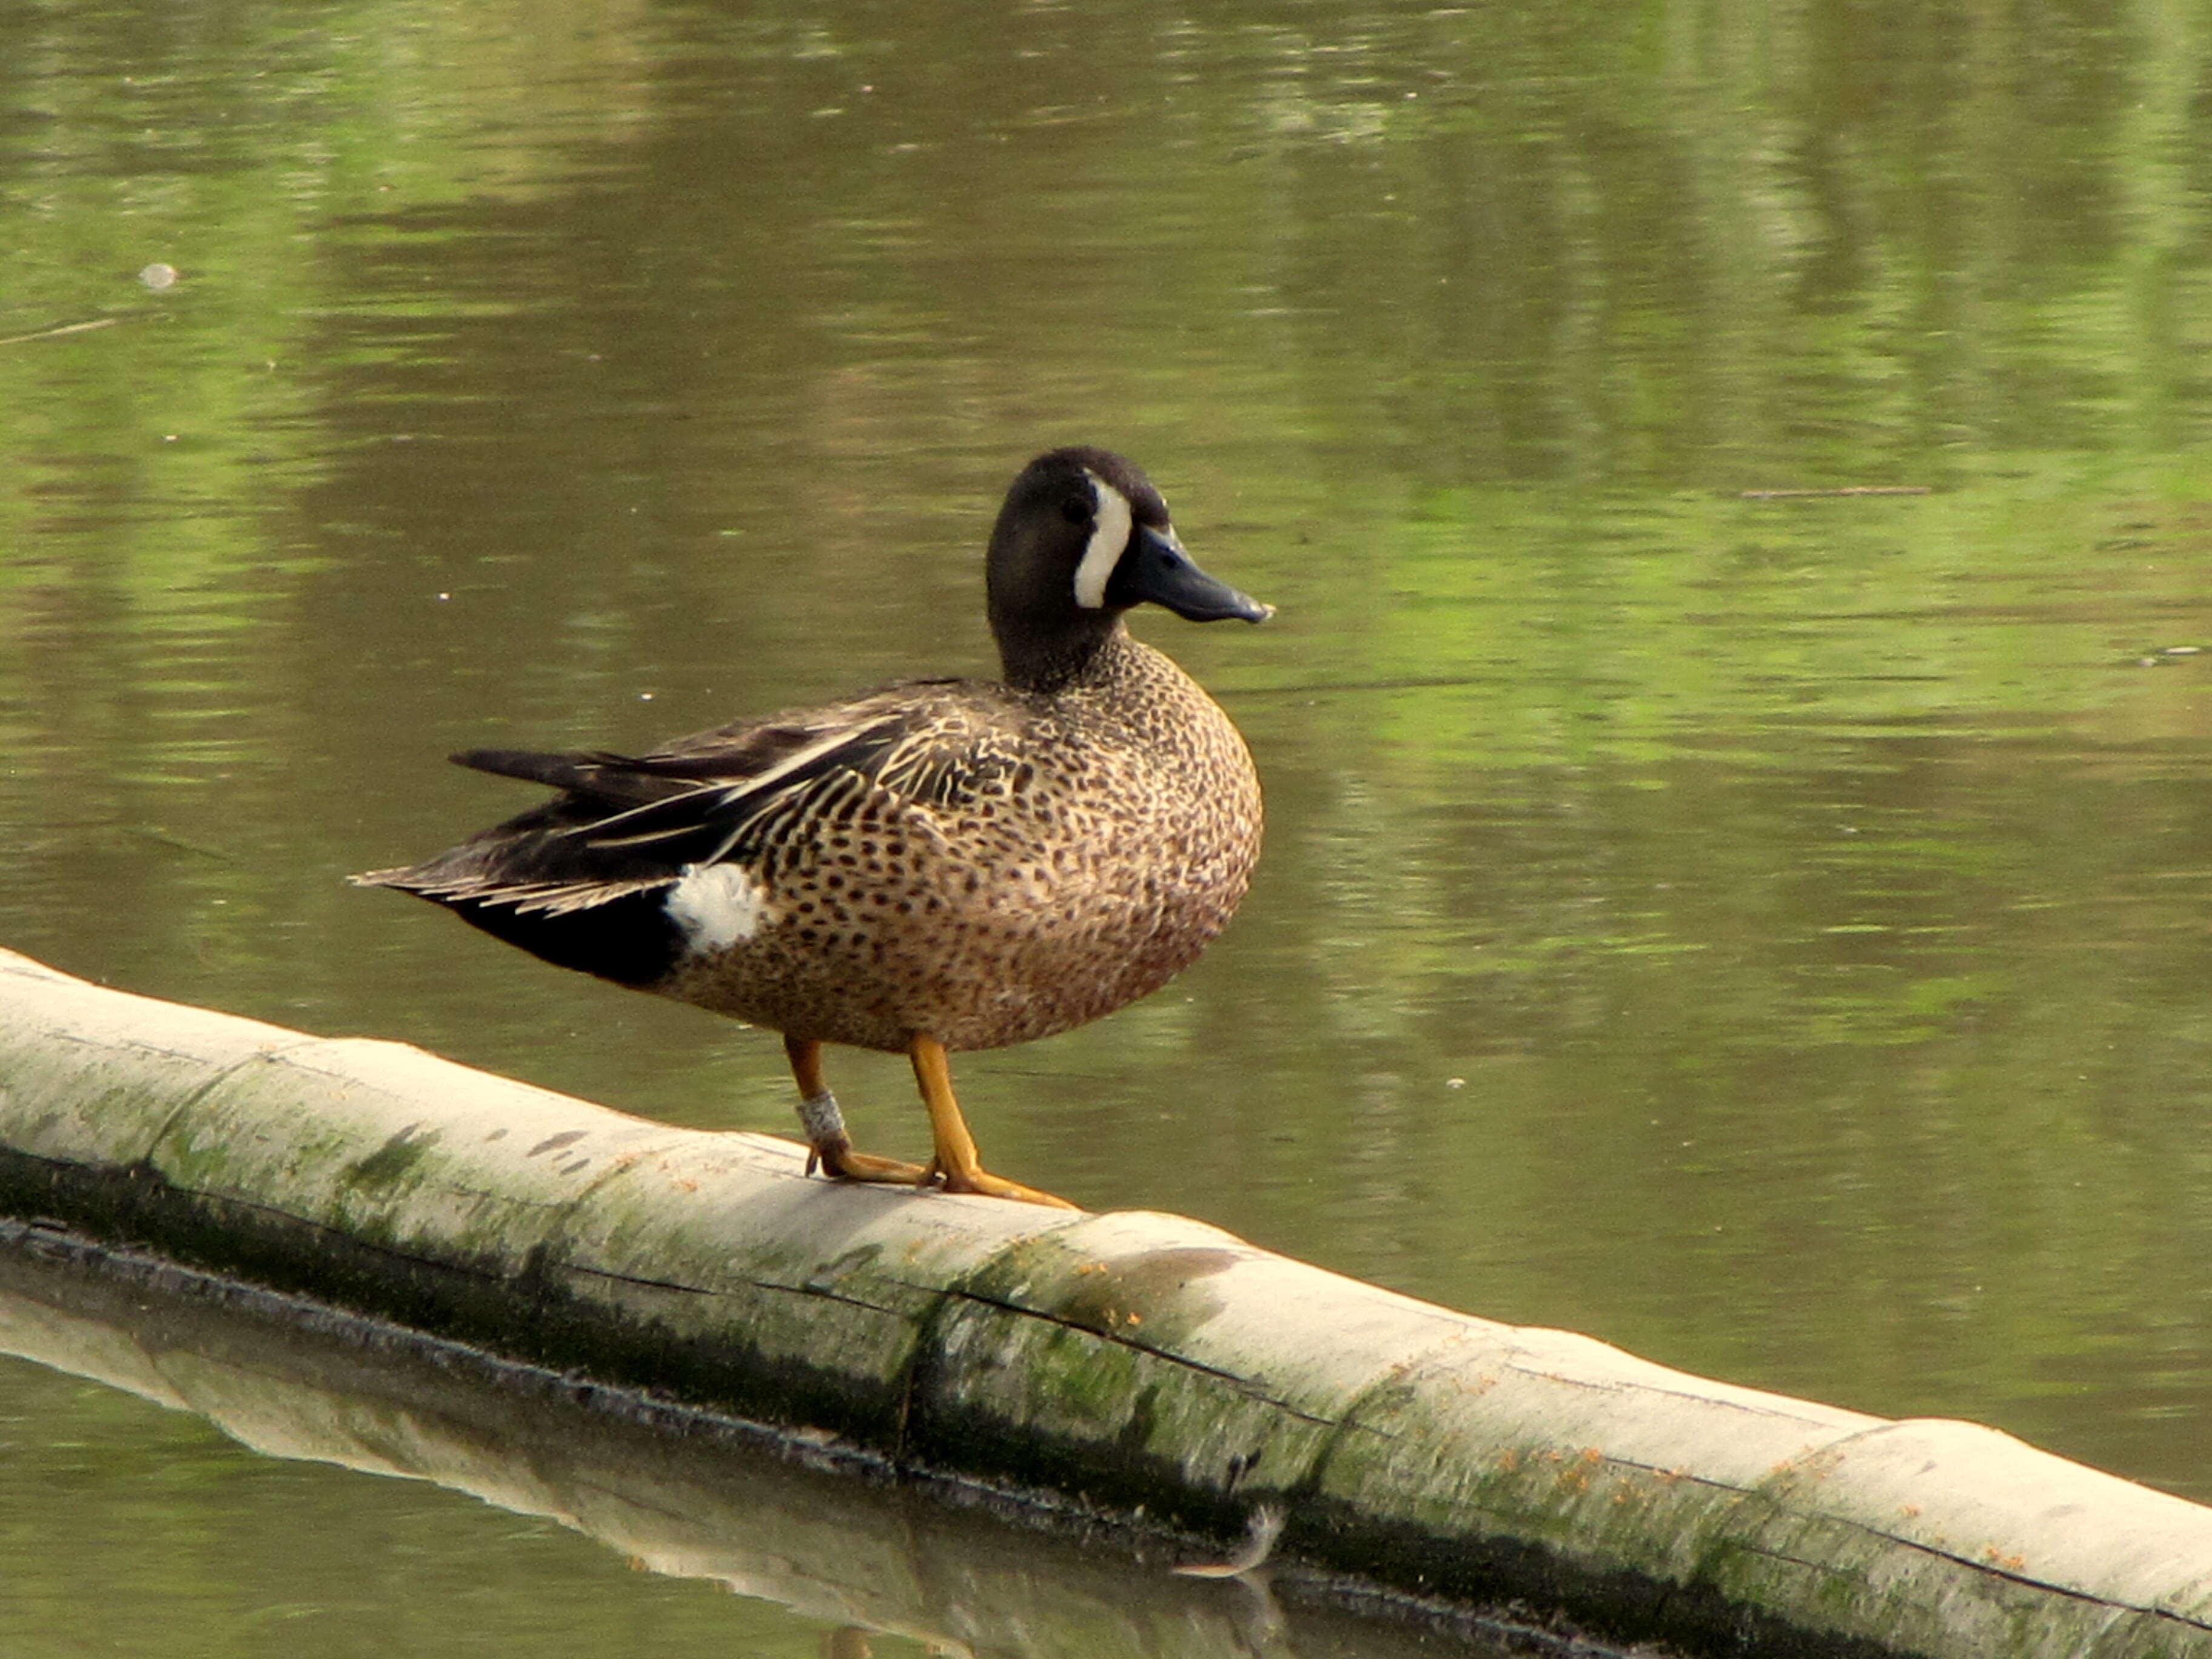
[[1122, 1365]]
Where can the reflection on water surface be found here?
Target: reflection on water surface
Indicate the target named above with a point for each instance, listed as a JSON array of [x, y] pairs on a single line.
[[825, 1563], [1767, 933]]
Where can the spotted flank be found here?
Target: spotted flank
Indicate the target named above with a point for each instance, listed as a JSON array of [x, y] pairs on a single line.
[[932, 865]]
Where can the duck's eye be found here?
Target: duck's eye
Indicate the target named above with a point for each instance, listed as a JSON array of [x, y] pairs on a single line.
[[1077, 509]]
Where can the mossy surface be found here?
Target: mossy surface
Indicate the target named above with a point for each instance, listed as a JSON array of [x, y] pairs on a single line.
[[1125, 1365]]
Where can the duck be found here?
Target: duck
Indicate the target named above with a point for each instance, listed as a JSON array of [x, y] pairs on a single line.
[[926, 867]]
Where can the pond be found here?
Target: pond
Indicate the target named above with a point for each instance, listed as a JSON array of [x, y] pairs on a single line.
[[1737, 732]]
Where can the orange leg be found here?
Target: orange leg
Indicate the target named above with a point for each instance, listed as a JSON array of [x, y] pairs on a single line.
[[830, 1146], [956, 1164]]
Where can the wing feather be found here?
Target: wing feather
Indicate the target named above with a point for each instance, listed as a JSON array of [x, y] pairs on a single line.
[[625, 824]]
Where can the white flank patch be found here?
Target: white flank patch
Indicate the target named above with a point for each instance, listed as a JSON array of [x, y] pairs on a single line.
[[1108, 543], [717, 905]]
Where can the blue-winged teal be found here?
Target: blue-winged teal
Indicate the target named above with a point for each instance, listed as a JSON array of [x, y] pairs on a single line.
[[935, 865]]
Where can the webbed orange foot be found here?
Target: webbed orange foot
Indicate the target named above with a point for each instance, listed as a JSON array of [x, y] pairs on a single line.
[[836, 1159], [956, 1166], [828, 1148], [991, 1186]]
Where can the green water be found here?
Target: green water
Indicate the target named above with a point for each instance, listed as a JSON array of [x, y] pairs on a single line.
[[1766, 932]]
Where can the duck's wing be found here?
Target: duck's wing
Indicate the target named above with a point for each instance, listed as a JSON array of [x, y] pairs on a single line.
[[625, 824]]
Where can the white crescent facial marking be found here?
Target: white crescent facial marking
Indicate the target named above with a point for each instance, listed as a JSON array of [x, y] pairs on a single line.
[[1108, 541], [716, 905]]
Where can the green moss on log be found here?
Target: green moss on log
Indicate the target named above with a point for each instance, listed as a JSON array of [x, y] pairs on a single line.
[[1119, 1363]]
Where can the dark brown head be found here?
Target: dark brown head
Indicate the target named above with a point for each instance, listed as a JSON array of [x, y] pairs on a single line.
[[1082, 537]]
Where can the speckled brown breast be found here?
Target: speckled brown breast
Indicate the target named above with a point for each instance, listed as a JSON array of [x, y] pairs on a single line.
[[1097, 839]]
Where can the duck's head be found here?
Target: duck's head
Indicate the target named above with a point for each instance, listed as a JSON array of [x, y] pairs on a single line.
[[1084, 537]]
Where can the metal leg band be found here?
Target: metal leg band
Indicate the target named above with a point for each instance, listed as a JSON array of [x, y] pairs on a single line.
[[820, 1119]]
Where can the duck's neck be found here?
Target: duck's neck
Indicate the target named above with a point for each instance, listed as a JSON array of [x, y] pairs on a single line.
[[1051, 663]]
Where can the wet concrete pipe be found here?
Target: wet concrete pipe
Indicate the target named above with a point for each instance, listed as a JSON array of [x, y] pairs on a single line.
[[1138, 1369]]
